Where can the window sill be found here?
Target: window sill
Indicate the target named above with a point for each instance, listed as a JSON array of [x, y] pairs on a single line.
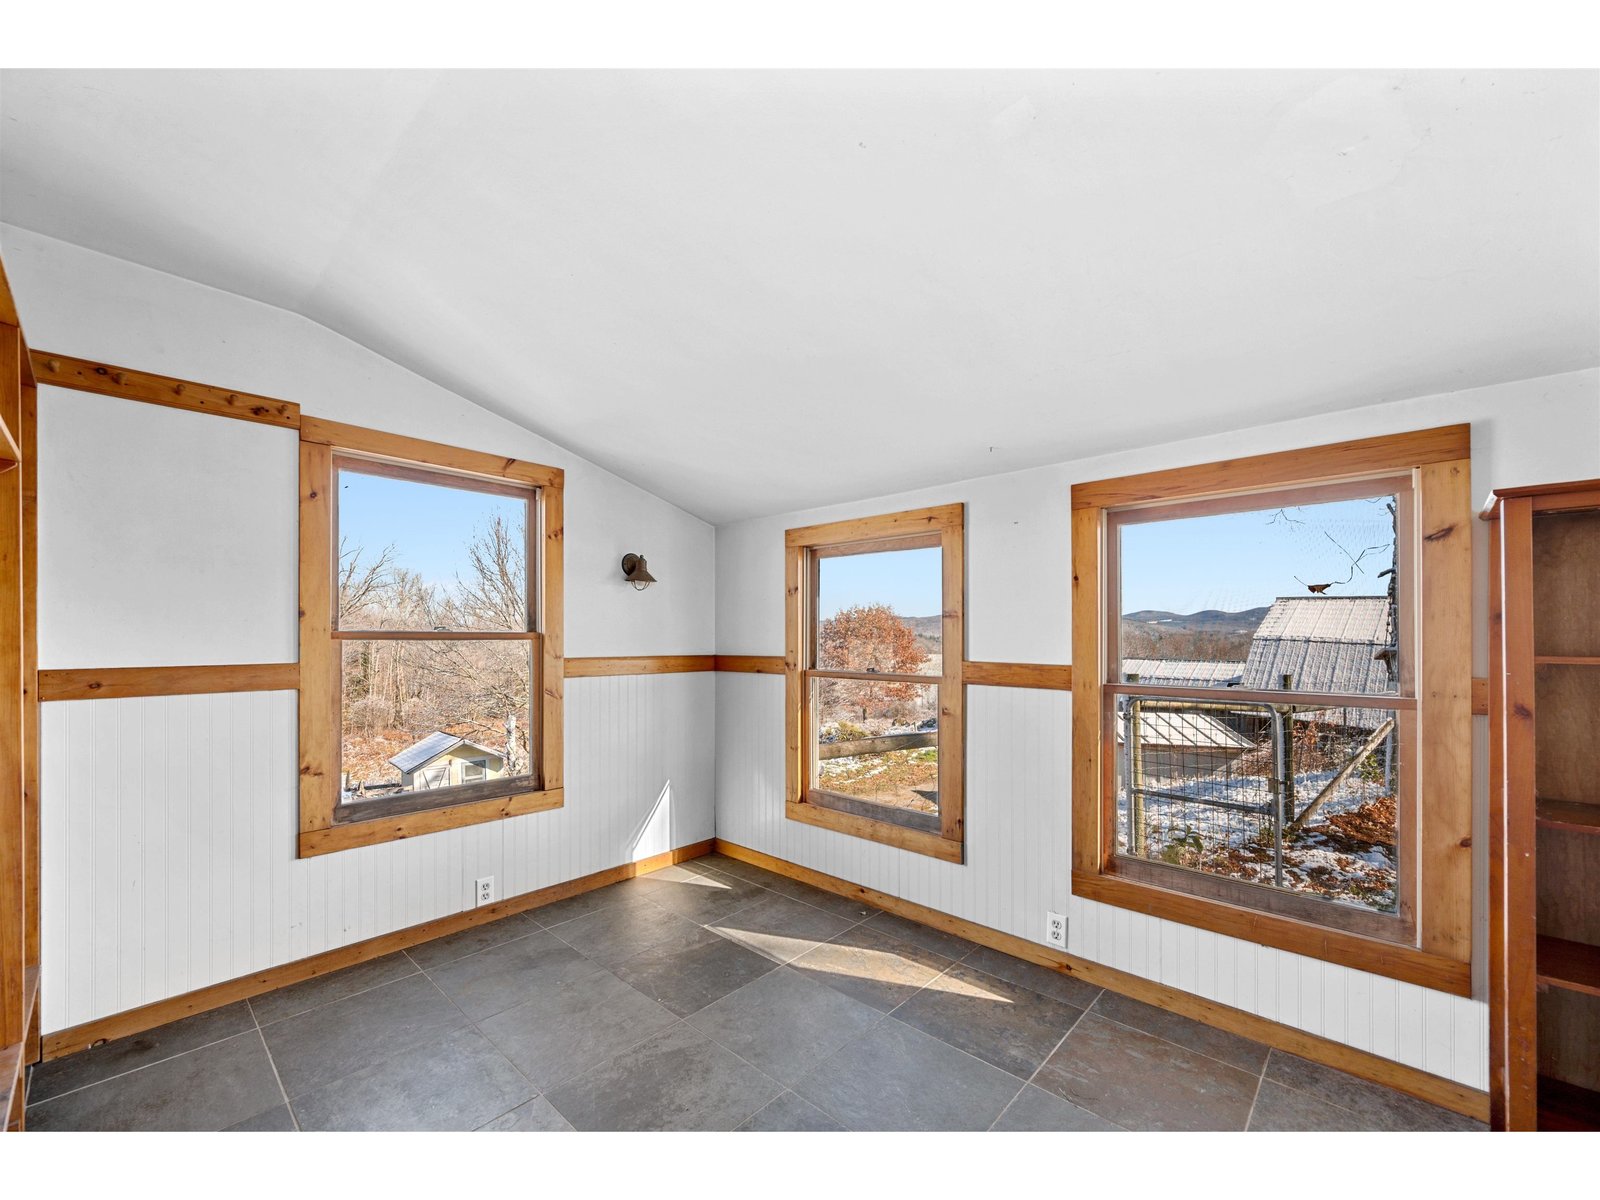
[[348, 834], [889, 834], [1406, 963]]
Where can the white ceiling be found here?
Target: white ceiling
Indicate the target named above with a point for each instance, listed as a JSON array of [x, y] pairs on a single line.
[[755, 292]]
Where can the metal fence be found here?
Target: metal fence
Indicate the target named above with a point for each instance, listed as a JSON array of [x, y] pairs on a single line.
[[1295, 797]]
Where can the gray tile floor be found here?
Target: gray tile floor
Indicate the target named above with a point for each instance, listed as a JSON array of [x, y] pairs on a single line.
[[712, 995]]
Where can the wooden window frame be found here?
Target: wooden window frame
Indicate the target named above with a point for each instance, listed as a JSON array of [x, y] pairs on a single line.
[[943, 526], [1436, 952], [324, 828]]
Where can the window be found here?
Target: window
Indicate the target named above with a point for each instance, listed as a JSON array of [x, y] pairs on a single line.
[[430, 637], [874, 669], [1271, 700]]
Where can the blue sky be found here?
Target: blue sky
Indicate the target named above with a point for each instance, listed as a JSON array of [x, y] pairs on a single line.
[[1230, 562], [1237, 561], [429, 526], [906, 580]]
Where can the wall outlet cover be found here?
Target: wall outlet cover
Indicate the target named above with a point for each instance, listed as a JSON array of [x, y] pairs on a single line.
[[485, 891], [1055, 930]]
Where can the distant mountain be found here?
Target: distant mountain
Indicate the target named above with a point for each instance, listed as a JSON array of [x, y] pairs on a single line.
[[929, 631], [1210, 620]]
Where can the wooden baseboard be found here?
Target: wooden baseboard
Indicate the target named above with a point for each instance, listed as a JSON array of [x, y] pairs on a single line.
[[149, 1016], [1433, 1088]]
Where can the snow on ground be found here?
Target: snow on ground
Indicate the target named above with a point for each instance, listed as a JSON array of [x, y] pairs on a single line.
[[1321, 860]]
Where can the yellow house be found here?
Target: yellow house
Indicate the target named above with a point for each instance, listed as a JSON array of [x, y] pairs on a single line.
[[445, 760]]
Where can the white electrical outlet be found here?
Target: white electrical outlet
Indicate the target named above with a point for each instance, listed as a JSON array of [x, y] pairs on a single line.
[[1055, 930], [486, 890]]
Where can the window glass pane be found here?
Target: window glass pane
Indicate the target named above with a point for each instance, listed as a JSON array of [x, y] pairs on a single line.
[[880, 611], [878, 742], [1302, 597], [424, 556], [423, 715], [1304, 801]]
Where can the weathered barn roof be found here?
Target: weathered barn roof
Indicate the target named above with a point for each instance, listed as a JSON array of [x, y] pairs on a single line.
[[431, 747], [1183, 672], [1185, 731], [1326, 643]]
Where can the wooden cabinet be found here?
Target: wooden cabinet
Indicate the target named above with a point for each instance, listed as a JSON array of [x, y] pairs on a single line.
[[19, 713], [1544, 815]]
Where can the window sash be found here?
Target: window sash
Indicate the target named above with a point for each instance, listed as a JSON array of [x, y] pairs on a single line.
[[1400, 486], [1438, 700], [436, 477], [942, 527], [1399, 926], [325, 825]]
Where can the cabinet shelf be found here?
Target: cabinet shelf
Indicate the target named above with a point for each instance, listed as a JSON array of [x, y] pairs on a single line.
[[1566, 1107], [1566, 660], [1564, 814], [1571, 965]]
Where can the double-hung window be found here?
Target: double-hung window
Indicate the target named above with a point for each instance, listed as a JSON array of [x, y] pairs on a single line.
[[1271, 694], [874, 667], [430, 637]]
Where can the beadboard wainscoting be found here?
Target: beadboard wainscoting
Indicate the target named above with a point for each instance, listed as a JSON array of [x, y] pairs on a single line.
[[169, 829], [1018, 834]]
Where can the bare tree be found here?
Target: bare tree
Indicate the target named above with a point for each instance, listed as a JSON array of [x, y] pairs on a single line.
[[362, 585]]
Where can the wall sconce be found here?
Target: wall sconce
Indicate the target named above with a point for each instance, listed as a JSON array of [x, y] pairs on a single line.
[[636, 572]]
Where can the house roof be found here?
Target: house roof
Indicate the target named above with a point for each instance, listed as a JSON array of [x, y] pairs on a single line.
[[1183, 672], [1327, 643], [431, 747]]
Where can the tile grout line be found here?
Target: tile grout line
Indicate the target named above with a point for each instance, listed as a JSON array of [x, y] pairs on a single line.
[[133, 1070], [328, 1003], [1254, 1098], [1028, 1082], [1385, 1091], [273, 1063], [1186, 1049]]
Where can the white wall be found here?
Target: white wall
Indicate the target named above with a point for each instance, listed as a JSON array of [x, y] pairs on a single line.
[[168, 538], [169, 847], [1018, 786]]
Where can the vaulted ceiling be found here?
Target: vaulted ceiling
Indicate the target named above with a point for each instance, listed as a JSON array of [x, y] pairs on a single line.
[[756, 291]]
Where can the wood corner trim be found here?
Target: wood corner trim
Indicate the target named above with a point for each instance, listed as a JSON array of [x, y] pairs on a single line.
[[1435, 1089], [85, 375]]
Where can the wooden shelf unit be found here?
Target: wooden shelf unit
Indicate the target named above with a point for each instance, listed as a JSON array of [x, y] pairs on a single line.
[[1544, 765], [19, 807], [1571, 965], [1562, 814]]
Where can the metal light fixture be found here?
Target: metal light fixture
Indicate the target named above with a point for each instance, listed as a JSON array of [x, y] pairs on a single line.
[[636, 572]]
